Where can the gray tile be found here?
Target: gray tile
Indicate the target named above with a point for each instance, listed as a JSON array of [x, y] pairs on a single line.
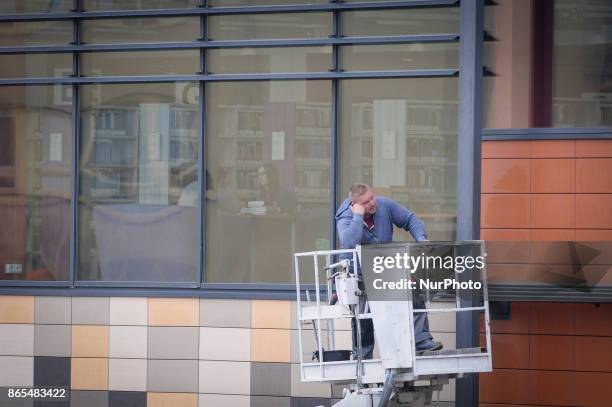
[[225, 400], [307, 389], [52, 310], [173, 342], [81, 398], [51, 371], [172, 376], [128, 342], [16, 339], [52, 340], [213, 376], [127, 374], [128, 311], [266, 401], [90, 310], [127, 399], [271, 379], [310, 402], [225, 344], [225, 313], [16, 371]]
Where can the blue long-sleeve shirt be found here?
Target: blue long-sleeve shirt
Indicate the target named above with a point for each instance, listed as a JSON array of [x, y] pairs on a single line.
[[353, 231]]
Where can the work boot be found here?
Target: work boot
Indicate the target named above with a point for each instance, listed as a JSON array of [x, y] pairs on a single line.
[[428, 345]]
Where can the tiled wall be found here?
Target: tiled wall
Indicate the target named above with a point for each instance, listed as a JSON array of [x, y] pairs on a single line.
[[551, 354], [166, 352]]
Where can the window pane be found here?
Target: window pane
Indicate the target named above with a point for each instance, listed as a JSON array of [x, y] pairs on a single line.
[[270, 26], [400, 136], [104, 5], [35, 6], [35, 65], [138, 197], [560, 75], [399, 56], [166, 29], [35, 182], [400, 22], [140, 63], [269, 60], [229, 3], [35, 33], [269, 157]]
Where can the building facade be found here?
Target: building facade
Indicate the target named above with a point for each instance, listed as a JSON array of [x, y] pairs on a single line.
[[161, 161]]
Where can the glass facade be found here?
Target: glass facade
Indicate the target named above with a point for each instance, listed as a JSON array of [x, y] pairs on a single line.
[[551, 62]]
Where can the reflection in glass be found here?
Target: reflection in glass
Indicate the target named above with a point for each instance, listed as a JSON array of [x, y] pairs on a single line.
[[269, 157], [35, 6], [400, 22], [35, 65], [400, 136], [270, 26], [132, 30], [269, 60], [35, 33], [176, 62], [106, 5], [560, 75], [138, 178], [35, 182], [229, 3], [400, 57]]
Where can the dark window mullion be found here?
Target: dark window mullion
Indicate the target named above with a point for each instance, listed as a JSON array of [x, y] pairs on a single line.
[[75, 148], [202, 156]]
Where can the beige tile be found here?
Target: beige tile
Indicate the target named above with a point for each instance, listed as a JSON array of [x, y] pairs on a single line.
[[271, 345], [53, 310], [225, 344], [271, 314], [173, 312], [127, 374], [214, 377], [225, 313], [16, 371], [172, 400], [89, 341], [447, 393], [448, 339], [225, 400], [17, 340], [128, 342], [306, 389], [89, 374], [16, 309], [128, 311]]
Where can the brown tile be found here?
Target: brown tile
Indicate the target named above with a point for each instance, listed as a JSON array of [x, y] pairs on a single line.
[[553, 175], [594, 211], [551, 352], [504, 234], [552, 318], [505, 211], [508, 273], [553, 148], [271, 314], [16, 309], [270, 345], [172, 400], [593, 354], [508, 252], [552, 235], [590, 388], [554, 388], [505, 386], [505, 176], [510, 351], [593, 235], [173, 311], [506, 149], [89, 374], [90, 341], [591, 319], [518, 322], [593, 148], [553, 211], [594, 175]]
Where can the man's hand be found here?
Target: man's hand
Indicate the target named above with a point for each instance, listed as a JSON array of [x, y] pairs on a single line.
[[358, 209]]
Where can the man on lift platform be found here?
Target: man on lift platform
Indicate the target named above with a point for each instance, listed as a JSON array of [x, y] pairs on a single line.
[[361, 219]]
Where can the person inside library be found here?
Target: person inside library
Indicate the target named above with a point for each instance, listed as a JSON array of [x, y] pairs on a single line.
[[363, 218]]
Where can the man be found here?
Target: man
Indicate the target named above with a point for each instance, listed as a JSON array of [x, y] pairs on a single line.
[[362, 218]]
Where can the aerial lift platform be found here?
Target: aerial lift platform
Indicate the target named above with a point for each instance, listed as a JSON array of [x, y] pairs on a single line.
[[400, 376]]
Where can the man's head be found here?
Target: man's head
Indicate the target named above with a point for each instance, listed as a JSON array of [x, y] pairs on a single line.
[[363, 195]]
